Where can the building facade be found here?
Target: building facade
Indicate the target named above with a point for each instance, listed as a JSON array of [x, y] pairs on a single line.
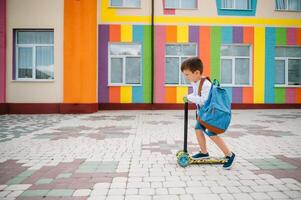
[[81, 56]]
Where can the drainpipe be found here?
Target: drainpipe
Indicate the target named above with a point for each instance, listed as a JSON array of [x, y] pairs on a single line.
[[152, 52]]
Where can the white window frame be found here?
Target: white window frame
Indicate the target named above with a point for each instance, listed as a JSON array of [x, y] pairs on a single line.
[[179, 58], [286, 7], [180, 6], [123, 5], [285, 59], [225, 8], [124, 65], [233, 66], [33, 46]]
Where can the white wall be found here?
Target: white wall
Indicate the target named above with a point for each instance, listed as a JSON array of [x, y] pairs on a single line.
[[35, 14]]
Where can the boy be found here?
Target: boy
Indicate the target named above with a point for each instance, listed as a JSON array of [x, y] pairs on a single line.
[[192, 68]]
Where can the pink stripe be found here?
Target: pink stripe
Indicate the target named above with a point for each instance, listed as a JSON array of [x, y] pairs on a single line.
[[2, 50], [159, 72], [290, 95], [168, 11], [291, 36]]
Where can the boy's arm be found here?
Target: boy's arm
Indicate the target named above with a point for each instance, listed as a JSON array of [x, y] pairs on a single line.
[[200, 100]]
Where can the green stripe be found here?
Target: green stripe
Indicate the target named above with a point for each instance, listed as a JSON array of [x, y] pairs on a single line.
[[147, 78], [279, 95], [215, 43], [280, 36]]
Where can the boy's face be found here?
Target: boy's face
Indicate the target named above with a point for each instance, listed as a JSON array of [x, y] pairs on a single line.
[[192, 76]]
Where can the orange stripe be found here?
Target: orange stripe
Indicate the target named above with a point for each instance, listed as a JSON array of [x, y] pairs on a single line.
[[298, 95], [298, 35], [247, 96], [204, 45], [80, 34], [171, 34], [114, 33], [248, 35], [170, 94], [248, 38], [114, 94]]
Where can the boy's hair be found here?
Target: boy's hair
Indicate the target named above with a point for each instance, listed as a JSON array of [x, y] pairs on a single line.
[[193, 64]]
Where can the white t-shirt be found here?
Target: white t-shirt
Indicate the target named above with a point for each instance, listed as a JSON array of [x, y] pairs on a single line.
[[194, 96]]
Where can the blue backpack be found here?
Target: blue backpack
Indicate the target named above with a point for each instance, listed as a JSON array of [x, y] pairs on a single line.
[[215, 114]]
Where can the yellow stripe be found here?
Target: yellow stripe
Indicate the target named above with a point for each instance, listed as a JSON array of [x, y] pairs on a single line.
[[181, 92], [126, 94], [182, 34], [126, 32], [259, 64], [109, 15]]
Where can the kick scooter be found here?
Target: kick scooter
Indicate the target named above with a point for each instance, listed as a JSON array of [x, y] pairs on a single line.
[[183, 157]]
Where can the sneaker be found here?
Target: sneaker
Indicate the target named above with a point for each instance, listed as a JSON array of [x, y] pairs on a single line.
[[199, 156], [230, 160]]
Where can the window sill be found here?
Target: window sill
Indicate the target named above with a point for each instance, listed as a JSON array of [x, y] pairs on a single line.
[[236, 9], [33, 81], [235, 86], [181, 8], [119, 85], [287, 86], [177, 85], [280, 10], [123, 7]]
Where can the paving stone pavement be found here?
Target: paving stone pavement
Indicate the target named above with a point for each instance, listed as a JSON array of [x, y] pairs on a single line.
[[131, 155]]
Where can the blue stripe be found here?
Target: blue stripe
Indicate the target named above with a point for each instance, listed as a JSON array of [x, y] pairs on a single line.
[[229, 92], [270, 41], [137, 94], [227, 36], [137, 91]]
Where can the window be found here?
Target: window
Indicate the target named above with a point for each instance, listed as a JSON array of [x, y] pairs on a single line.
[[125, 3], [175, 54], [290, 5], [288, 66], [125, 64], [180, 4], [34, 54], [236, 4], [235, 65]]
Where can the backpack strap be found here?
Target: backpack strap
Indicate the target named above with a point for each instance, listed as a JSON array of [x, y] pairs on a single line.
[[201, 84]]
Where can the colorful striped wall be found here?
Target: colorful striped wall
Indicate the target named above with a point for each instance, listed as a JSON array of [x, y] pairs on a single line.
[[124, 94], [2, 50], [209, 40], [80, 34], [274, 37]]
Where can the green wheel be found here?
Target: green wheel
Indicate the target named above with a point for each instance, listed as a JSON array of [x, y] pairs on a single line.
[[183, 159]]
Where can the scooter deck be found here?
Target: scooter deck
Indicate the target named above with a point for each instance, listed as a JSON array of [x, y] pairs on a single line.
[[211, 160]]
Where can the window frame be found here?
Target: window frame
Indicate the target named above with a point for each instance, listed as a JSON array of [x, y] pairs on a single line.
[[223, 8], [179, 58], [286, 8], [123, 6], [33, 46], [124, 64], [285, 59], [180, 8], [233, 66]]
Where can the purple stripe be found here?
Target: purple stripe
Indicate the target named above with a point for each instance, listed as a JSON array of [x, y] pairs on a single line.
[[237, 34], [291, 36], [103, 38], [2, 50], [194, 35], [237, 95], [190, 90]]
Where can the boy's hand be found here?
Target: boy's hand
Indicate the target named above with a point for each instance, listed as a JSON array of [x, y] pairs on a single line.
[[185, 99]]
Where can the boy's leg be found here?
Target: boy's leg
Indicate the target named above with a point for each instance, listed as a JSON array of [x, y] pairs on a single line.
[[221, 144], [201, 140]]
